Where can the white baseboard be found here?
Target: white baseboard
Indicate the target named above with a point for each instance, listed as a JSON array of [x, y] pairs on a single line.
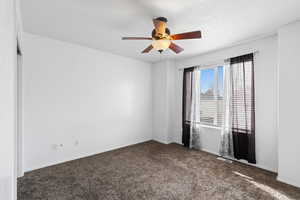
[[244, 162], [240, 161], [84, 155], [288, 181], [161, 141], [209, 151]]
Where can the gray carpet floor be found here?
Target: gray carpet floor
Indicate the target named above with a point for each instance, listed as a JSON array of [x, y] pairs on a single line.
[[153, 171]]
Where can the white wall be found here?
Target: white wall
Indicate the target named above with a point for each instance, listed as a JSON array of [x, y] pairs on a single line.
[[7, 100], [289, 109], [266, 94], [160, 102], [162, 82], [76, 94]]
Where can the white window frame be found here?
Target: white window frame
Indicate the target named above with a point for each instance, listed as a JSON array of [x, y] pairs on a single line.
[[215, 67]]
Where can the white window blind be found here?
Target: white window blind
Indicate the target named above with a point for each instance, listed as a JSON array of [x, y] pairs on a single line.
[[212, 95]]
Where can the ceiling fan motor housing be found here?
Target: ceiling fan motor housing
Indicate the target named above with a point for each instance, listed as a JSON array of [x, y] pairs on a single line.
[[157, 37], [163, 19], [161, 35]]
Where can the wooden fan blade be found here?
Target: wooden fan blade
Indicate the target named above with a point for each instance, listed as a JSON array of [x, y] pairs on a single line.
[[174, 47], [136, 38], [148, 49], [188, 35], [160, 26]]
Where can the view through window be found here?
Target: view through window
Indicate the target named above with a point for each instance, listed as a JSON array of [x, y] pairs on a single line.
[[212, 96]]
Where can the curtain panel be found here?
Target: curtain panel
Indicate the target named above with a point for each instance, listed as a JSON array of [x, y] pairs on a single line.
[[191, 108], [186, 105], [195, 128], [226, 145], [243, 107]]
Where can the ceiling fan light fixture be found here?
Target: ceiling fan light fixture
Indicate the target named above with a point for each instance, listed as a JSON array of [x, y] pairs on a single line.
[[162, 39], [162, 44]]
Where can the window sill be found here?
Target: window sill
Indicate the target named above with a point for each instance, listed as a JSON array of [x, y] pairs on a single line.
[[211, 127]]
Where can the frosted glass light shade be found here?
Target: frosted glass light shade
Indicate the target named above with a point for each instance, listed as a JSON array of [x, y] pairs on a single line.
[[161, 44]]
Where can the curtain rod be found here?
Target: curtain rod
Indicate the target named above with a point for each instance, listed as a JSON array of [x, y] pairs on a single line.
[[218, 62]]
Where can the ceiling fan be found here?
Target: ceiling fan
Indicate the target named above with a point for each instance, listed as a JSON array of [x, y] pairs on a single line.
[[162, 39]]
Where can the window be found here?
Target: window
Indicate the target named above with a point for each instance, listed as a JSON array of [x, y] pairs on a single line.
[[212, 95]]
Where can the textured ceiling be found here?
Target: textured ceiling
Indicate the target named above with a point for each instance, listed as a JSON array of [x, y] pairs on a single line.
[[100, 24]]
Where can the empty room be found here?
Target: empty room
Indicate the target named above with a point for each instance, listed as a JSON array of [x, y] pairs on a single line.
[[149, 100]]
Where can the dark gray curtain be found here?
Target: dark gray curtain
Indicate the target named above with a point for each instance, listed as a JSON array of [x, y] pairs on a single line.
[[243, 107], [186, 105]]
